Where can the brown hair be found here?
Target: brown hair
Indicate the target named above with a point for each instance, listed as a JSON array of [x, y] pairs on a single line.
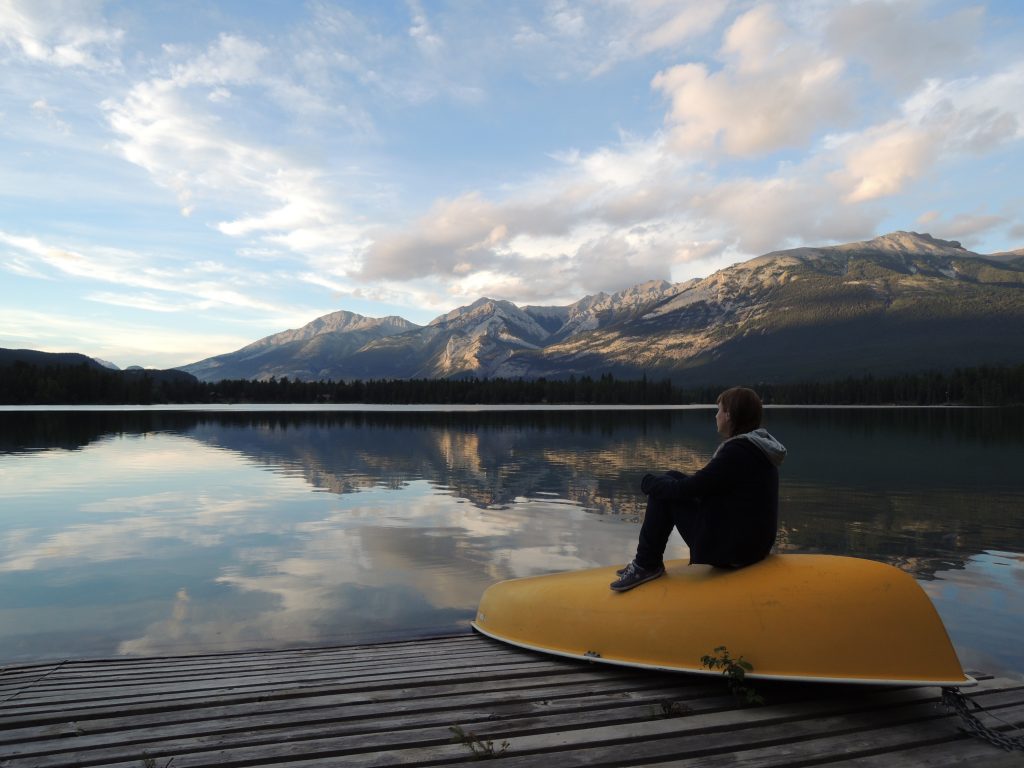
[[744, 409]]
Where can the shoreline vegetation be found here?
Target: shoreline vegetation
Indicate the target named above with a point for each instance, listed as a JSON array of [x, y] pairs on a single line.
[[24, 383]]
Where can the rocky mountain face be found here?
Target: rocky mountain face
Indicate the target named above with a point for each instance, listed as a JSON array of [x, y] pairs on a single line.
[[900, 302], [314, 351]]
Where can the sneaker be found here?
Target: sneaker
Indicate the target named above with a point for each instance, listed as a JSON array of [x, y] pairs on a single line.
[[622, 570], [634, 575]]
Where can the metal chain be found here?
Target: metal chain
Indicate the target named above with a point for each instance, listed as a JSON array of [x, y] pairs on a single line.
[[953, 699]]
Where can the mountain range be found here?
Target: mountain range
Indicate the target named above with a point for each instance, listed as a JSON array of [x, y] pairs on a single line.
[[900, 302]]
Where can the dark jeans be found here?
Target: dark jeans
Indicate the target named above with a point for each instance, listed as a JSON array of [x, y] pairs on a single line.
[[659, 520]]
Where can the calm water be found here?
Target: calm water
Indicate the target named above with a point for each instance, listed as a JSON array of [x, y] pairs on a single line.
[[142, 531]]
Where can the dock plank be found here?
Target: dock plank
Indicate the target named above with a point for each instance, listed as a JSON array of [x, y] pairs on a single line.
[[394, 704]]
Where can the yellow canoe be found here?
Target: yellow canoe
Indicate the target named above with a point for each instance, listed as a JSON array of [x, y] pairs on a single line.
[[819, 618]]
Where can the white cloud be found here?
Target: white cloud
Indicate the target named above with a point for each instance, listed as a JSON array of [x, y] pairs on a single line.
[[782, 124], [938, 123], [51, 115], [592, 39], [765, 214], [969, 227], [658, 206], [171, 131], [973, 114], [565, 19], [61, 33], [231, 60], [884, 159], [179, 287], [449, 234], [429, 43], [900, 43], [147, 301], [680, 22], [775, 90]]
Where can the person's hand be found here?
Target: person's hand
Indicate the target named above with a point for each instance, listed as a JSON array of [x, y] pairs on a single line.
[[645, 483]]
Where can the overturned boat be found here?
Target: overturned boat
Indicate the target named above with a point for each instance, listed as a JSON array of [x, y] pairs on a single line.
[[814, 618]]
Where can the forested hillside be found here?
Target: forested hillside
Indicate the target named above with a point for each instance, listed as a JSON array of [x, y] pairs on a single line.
[[27, 384]]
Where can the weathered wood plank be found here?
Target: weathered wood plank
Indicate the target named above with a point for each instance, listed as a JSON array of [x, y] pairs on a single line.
[[542, 686], [78, 674], [937, 735], [146, 702], [52, 684], [68, 679], [967, 751], [372, 727], [358, 711], [619, 732], [393, 704], [767, 745]]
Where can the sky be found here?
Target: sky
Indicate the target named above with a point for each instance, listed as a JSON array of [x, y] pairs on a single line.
[[179, 179]]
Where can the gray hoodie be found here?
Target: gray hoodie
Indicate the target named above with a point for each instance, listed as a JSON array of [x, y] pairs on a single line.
[[772, 448]]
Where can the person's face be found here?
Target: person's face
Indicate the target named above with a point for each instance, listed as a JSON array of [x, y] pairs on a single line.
[[723, 422]]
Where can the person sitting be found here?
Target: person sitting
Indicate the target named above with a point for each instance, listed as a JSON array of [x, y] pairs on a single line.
[[727, 512]]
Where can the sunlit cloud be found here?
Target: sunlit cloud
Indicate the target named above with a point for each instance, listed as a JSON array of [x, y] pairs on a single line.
[[774, 90], [650, 205], [420, 156], [940, 122]]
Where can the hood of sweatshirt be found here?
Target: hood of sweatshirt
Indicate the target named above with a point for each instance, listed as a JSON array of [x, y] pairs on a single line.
[[772, 448]]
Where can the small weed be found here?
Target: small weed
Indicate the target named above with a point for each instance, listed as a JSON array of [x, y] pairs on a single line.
[[150, 762], [735, 671], [481, 749], [673, 709]]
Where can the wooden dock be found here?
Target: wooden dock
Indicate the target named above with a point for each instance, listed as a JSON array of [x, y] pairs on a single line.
[[398, 703]]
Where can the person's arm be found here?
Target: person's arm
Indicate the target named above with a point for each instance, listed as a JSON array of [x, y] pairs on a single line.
[[712, 480]]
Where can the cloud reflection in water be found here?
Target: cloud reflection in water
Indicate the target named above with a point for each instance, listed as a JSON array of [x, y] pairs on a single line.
[[178, 533]]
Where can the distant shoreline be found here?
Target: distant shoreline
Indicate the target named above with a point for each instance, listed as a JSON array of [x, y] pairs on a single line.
[[444, 407], [24, 383]]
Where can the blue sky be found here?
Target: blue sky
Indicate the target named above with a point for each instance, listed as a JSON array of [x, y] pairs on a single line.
[[181, 178]]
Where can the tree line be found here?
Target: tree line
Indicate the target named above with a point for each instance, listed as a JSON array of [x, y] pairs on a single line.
[[28, 384]]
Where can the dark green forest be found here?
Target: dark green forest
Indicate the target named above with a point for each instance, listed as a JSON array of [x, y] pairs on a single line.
[[23, 383]]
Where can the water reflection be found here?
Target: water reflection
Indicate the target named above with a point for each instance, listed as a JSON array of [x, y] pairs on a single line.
[[155, 532]]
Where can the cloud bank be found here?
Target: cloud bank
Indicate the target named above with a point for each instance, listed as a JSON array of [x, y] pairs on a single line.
[[408, 159]]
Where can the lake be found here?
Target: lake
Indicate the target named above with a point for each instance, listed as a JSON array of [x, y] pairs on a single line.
[[162, 531]]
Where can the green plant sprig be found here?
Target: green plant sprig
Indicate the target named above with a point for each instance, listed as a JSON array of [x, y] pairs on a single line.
[[481, 749], [735, 671]]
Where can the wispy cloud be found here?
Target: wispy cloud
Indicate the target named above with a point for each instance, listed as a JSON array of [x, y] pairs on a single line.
[[60, 33], [419, 155], [130, 270]]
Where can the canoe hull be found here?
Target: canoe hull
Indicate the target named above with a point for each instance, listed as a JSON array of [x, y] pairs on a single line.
[[818, 618]]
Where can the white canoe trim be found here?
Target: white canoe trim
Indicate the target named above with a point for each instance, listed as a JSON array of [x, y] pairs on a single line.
[[967, 682]]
